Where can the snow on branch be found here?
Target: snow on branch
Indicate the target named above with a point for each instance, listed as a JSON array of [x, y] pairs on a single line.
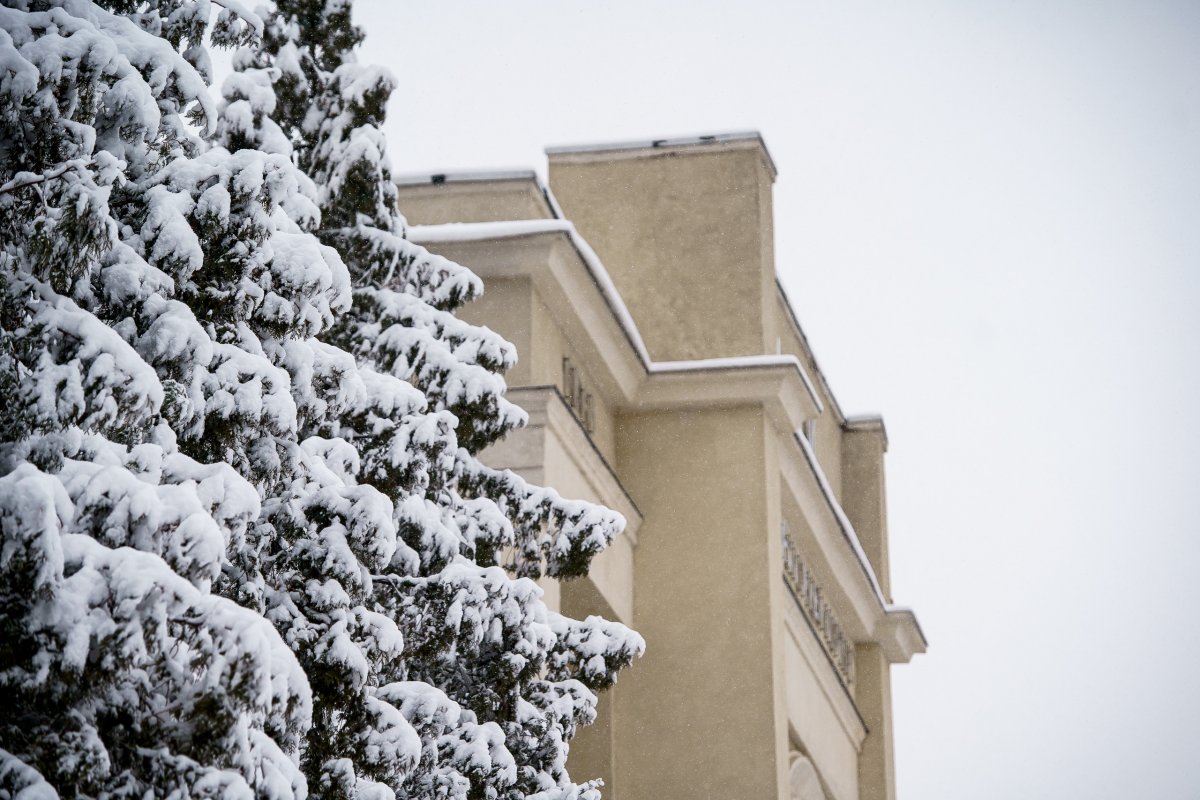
[[24, 180]]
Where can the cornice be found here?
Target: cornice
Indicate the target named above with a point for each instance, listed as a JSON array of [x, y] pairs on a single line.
[[900, 635]]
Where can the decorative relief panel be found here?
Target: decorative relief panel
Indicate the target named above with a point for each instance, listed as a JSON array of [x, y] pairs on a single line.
[[577, 397], [816, 609]]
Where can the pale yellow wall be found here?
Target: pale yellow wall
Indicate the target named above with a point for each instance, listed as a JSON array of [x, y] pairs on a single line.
[[507, 308], [828, 447], [611, 571], [787, 340], [876, 772], [828, 439], [546, 353], [681, 233], [512, 308], [776, 593], [591, 754], [817, 728], [592, 749], [705, 687], [768, 291], [865, 501], [821, 710], [472, 201]]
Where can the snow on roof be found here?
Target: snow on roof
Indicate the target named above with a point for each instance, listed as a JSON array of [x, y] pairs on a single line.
[[465, 176], [478, 231], [742, 362], [675, 141]]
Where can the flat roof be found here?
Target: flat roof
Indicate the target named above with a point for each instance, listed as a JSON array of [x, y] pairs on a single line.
[[697, 140]]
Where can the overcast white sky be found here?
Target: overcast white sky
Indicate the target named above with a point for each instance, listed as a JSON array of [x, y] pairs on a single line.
[[988, 218]]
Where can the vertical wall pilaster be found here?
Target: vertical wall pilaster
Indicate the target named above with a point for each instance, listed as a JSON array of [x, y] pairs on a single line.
[[864, 493], [704, 691], [873, 695]]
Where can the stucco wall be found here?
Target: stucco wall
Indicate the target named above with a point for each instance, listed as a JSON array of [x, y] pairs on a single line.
[[827, 442], [507, 308], [473, 201], [865, 502], [877, 775], [703, 600], [816, 727], [513, 308], [682, 235]]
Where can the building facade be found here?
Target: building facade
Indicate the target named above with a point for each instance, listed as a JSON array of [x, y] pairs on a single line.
[[666, 376]]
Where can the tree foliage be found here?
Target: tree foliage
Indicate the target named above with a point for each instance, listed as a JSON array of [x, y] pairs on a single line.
[[247, 547]]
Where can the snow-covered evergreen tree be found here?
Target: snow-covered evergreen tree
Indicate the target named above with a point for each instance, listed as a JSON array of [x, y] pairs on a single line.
[[245, 547], [121, 673], [494, 683]]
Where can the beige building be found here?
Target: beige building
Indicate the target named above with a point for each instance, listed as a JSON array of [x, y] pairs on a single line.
[[667, 377]]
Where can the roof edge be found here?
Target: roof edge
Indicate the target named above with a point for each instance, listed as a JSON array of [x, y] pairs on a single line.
[[668, 143], [465, 176]]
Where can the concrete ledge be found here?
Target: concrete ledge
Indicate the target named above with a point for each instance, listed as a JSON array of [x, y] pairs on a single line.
[[641, 148]]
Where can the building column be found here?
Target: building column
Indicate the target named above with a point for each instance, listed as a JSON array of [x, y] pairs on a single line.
[[873, 695]]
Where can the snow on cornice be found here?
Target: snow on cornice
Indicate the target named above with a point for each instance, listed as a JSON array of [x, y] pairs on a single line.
[[843, 521], [480, 231], [851, 537], [740, 362]]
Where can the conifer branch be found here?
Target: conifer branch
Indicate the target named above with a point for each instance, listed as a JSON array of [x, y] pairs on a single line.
[[17, 184], [243, 13]]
